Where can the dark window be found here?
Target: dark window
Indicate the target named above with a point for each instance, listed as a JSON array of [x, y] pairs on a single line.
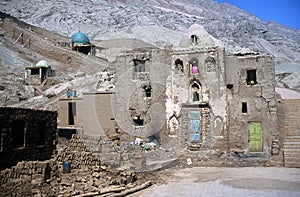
[[244, 107], [138, 121], [139, 65], [194, 39], [195, 91], [41, 133], [66, 133], [18, 132], [35, 71], [147, 91], [251, 77], [179, 65], [195, 96], [229, 86], [72, 112]]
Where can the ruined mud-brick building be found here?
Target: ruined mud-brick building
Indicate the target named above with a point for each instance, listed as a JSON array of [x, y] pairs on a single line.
[[26, 135], [196, 97]]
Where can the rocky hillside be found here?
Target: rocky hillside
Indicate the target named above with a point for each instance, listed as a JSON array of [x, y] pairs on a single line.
[[103, 19]]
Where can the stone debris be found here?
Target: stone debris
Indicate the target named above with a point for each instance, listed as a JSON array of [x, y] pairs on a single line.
[[87, 177]]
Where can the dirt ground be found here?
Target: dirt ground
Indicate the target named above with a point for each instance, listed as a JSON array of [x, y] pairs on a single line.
[[211, 181]]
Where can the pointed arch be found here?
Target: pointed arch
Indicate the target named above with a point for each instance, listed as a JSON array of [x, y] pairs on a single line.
[[173, 125], [195, 91], [178, 65], [210, 64]]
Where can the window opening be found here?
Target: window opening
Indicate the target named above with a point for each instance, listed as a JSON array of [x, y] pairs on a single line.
[[139, 65], [34, 71], [138, 121], [147, 91], [72, 112], [194, 39], [210, 63], [195, 91], [251, 77], [18, 132], [229, 86], [195, 96], [179, 65], [244, 107]]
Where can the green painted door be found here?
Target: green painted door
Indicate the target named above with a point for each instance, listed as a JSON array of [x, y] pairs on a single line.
[[255, 137]]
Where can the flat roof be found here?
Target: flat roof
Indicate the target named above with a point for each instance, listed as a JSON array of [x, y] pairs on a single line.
[[287, 93]]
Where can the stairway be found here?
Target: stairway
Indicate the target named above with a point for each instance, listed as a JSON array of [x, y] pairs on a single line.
[[291, 142]]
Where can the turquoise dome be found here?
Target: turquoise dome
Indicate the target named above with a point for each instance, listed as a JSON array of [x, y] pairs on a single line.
[[80, 38]]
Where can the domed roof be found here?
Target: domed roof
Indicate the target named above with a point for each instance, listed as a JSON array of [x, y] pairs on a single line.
[[43, 63], [80, 38]]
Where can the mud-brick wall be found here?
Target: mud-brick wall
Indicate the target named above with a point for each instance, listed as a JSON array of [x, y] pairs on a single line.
[[84, 151], [36, 131], [30, 169]]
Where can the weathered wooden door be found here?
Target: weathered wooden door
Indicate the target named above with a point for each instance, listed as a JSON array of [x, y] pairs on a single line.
[[195, 126], [255, 137]]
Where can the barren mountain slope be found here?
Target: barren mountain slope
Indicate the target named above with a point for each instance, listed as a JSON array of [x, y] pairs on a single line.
[[102, 19]]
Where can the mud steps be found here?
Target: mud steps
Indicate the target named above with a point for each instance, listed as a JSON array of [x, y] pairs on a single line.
[[291, 144]]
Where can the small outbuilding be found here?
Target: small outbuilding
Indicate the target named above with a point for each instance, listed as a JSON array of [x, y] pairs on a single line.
[[42, 70]]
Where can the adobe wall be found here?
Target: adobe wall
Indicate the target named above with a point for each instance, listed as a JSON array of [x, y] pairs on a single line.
[[259, 101], [63, 111], [96, 115], [93, 112], [39, 130], [51, 49], [130, 96], [84, 151], [27, 170], [212, 95]]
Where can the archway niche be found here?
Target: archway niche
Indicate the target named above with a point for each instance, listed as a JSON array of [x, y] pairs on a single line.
[[173, 125], [195, 88], [178, 65], [210, 64]]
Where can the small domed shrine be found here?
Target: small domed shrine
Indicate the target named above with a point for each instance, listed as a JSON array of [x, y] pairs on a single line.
[[80, 42]]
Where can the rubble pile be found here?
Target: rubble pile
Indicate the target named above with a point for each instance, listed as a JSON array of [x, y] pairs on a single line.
[[77, 154], [84, 175]]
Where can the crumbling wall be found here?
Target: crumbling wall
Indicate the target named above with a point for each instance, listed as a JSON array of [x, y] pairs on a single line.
[[36, 140], [251, 99], [28, 170], [85, 175], [210, 80], [130, 95]]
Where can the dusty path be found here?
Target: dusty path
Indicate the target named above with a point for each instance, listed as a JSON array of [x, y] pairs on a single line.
[[248, 181]]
